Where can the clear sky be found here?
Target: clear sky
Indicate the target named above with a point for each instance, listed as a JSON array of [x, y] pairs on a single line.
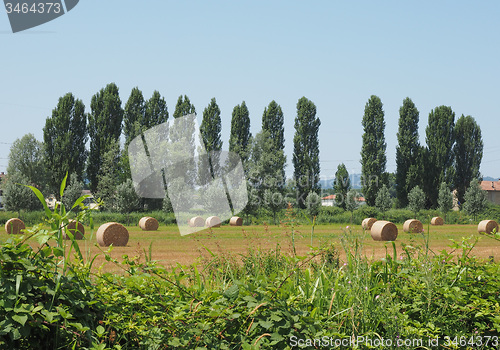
[[336, 53]]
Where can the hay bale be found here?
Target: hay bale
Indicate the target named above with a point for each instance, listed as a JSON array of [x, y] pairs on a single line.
[[384, 231], [368, 223], [148, 223], [77, 232], [487, 226], [438, 221], [196, 221], [413, 226], [236, 221], [213, 221], [14, 226], [112, 233]]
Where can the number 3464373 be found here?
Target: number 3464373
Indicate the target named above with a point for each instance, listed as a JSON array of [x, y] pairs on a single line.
[[40, 7]]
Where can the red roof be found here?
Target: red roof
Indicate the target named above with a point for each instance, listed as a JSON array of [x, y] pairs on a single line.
[[490, 185]]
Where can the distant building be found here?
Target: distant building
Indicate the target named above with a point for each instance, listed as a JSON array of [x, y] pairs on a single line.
[[329, 201], [493, 191]]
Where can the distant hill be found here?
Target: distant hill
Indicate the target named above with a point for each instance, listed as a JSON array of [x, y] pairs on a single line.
[[489, 178], [355, 182]]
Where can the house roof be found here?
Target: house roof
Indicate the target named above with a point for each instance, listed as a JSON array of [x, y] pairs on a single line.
[[490, 186]]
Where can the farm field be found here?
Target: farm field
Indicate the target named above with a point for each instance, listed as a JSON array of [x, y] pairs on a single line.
[[169, 248]]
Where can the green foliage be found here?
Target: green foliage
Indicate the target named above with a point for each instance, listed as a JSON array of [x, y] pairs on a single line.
[[468, 151], [341, 186], [373, 158], [156, 111], [445, 199], [438, 165], [133, 115], [183, 107], [17, 197], [475, 199], [240, 139], [108, 176], [126, 199], [73, 191], [383, 202], [273, 123], [26, 160], [306, 151], [65, 135], [210, 127], [408, 160], [416, 200], [105, 127]]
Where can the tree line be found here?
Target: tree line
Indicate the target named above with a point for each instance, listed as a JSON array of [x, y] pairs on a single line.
[[451, 157], [425, 175], [104, 166]]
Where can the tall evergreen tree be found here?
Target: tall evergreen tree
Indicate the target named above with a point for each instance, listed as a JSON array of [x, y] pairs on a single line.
[[133, 115], [373, 158], [306, 150], [105, 126], [240, 138], [468, 152], [341, 186], [440, 137], [65, 135], [407, 152], [273, 123]]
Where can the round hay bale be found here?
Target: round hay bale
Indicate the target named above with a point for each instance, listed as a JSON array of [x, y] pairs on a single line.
[[148, 223], [368, 223], [77, 232], [413, 226], [236, 221], [213, 221], [14, 226], [112, 233], [438, 221], [196, 221], [384, 231], [487, 226]]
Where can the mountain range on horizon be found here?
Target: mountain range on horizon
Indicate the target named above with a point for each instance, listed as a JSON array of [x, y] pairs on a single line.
[[356, 181]]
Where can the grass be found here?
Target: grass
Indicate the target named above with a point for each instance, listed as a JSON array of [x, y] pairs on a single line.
[[169, 248]]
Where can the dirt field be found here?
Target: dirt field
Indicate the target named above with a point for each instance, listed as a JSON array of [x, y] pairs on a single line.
[[170, 249]]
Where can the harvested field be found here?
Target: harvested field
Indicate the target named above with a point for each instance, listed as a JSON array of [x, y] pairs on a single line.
[[170, 248]]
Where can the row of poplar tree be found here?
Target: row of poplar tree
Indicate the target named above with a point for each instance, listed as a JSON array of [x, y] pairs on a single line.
[[452, 154], [104, 167]]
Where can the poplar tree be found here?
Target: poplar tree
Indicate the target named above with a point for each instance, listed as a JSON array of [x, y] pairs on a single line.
[[105, 126], [468, 152], [408, 157], [273, 123], [439, 160], [373, 158], [133, 115], [306, 150], [341, 186], [240, 138], [65, 135]]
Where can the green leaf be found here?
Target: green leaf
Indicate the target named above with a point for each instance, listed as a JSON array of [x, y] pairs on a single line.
[[20, 319], [63, 185], [266, 324], [232, 292], [41, 198], [80, 200]]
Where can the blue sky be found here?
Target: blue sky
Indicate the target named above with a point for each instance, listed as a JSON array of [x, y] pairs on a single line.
[[335, 53]]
